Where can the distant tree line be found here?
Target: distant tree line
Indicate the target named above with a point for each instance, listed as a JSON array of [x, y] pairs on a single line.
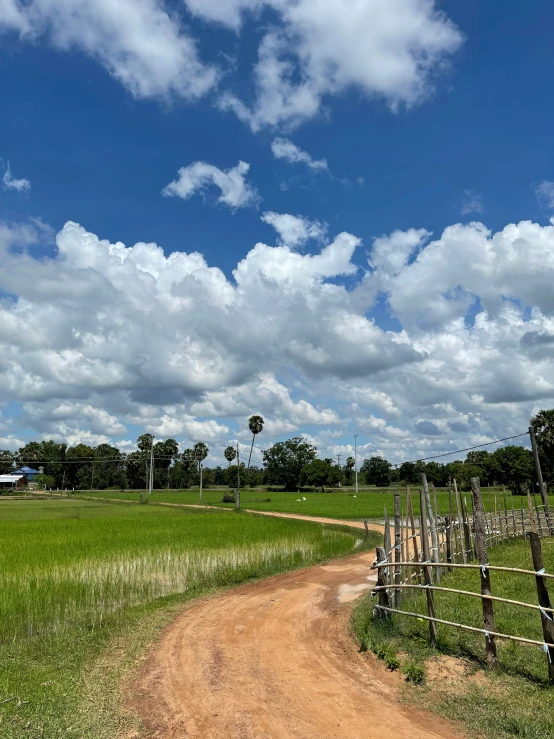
[[289, 464]]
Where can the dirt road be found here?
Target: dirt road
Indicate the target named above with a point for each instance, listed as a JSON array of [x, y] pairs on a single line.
[[275, 660]]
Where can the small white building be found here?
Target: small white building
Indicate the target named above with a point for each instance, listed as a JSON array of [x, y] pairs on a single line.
[[12, 481]]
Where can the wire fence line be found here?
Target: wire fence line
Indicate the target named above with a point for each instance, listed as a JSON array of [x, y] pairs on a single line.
[[417, 560]]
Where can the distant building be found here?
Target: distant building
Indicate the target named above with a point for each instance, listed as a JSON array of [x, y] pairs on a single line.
[[28, 473], [17, 480]]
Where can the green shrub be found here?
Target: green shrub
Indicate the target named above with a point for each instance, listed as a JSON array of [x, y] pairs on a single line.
[[392, 661], [414, 673]]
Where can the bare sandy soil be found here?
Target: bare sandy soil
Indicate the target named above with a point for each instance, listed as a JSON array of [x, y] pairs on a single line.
[[276, 660]]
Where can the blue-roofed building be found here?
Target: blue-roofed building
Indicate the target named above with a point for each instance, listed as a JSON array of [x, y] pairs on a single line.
[[28, 472]]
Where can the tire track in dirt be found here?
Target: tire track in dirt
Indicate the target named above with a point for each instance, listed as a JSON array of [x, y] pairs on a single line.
[[275, 660]]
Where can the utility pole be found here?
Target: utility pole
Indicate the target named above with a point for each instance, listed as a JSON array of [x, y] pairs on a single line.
[[151, 473], [356, 460], [237, 495], [200, 470], [338, 463]]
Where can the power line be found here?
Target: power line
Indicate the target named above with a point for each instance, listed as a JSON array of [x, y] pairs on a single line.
[[458, 451]]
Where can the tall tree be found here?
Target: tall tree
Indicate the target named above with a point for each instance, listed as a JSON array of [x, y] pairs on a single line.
[[230, 453], [320, 472], [514, 466], [377, 471], [285, 459], [255, 424], [348, 469]]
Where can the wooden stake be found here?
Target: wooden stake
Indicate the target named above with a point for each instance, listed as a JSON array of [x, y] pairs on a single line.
[[505, 512], [382, 580], [481, 547], [410, 511], [433, 524], [459, 510], [544, 600], [387, 544], [427, 570], [542, 486], [531, 514], [397, 548], [467, 532]]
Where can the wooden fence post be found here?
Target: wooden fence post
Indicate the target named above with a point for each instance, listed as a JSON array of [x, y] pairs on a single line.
[[481, 547], [397, 548], [382, 581], [544, 601], [387, 544], [366, 527], [448, 520], [427, 577], [433, 524], [467, 531], [410, 511], [542, 486]]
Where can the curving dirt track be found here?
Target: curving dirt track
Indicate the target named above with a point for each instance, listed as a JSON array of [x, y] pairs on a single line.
[[276, 660]]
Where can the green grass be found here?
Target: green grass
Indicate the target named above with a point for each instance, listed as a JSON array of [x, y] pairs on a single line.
[[77, 576], [517, 700], [340, 505]]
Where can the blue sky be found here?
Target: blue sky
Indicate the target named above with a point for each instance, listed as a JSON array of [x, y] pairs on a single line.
[[100, 128]]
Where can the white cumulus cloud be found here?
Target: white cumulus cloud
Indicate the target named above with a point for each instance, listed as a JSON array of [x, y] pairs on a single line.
[[294, 231], [139, 42], [235, 191], [285, 149], [103, 336], [390, 49]]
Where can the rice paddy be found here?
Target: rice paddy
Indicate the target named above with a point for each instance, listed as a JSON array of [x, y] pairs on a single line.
[[341, 505], [75, 574]]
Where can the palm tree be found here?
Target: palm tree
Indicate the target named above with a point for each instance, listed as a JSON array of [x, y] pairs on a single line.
[[255, 424], [200, 452], [230, 453]]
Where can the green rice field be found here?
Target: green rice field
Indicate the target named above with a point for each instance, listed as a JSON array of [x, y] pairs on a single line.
[[75, 575], [340, 505]]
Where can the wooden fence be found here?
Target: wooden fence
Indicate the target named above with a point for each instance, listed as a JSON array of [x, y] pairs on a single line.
[[422, 553]]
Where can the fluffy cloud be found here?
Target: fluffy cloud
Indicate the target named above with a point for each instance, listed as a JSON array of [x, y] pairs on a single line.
[[294, 231], [313, 49], [389, 50], [235, 192], [285, 149], [138, 42], [103, 336], [12, 183]]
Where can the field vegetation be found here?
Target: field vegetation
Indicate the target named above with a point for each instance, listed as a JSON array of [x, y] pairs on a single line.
[[340, 505], [77, 575]]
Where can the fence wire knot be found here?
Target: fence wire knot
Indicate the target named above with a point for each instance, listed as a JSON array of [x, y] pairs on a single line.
[[487, 635], [545, 614], [546, 650], [484, 569], [540, 572]]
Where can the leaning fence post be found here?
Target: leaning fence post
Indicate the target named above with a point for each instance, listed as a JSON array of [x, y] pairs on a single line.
[[426, 569], [433, 524], [542, 486], [387, 544], [382, 581], [366, 530], [544, 601], [481, 547]]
